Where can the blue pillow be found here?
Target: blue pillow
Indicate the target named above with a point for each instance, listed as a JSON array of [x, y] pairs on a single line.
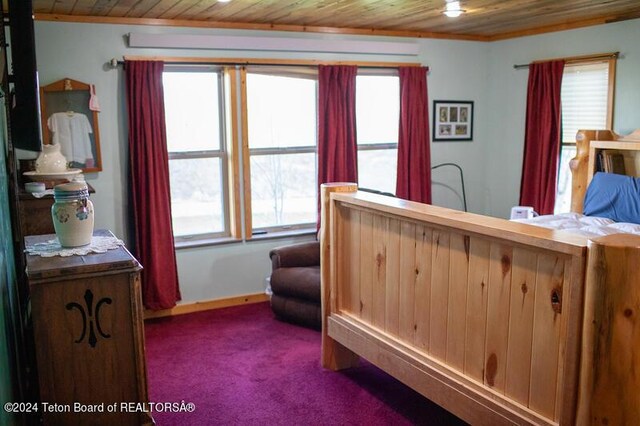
[[616, 197]]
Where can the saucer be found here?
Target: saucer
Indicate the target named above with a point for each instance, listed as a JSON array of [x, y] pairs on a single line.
[[43, 177]]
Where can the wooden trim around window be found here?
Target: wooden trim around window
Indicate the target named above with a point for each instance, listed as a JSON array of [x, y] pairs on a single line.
[[612, 91], [233, 151], [246, 161]]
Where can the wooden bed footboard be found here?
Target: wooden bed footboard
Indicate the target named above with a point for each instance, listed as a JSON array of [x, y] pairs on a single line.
[[480, 315]]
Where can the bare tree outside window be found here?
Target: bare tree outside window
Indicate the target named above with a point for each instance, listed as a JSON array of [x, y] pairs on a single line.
[[282, 142]]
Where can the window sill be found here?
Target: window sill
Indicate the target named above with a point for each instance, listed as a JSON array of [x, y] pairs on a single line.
[[206, 242], [283, 234]]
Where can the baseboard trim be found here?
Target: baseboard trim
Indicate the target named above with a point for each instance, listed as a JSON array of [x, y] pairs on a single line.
[[206, 305]]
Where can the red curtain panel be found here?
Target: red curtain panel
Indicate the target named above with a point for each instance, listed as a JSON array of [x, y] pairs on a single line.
[[542, 137], [337, 142], [414, 153], [149, 163]]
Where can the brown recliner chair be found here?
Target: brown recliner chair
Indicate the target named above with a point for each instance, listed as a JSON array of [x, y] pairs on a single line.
[[295, 283]]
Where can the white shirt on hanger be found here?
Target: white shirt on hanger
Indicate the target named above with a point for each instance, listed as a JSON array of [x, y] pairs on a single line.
[[71, 130]]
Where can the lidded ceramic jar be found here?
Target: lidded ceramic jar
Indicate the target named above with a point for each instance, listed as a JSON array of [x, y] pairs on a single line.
[[51, 160], [72, 214]]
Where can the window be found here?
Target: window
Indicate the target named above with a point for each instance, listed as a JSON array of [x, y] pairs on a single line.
[[197, 157], [281, 121], [242, 144], [377, 121], [587, 101]]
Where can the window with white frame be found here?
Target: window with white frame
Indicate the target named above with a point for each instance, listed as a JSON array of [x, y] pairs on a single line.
[[377, 121], [586, 97], [193, 101], [282, 129]]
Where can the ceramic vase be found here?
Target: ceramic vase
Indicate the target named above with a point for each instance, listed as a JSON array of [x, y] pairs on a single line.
[[51, 160], [72, 214]]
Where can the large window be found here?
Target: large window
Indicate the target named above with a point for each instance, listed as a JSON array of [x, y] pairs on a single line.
[[281, 116], [197, 157], [586, 104], [377, 120], [250, 134]]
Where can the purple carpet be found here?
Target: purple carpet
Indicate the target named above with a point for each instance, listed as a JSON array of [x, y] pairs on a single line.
[[242, 366]]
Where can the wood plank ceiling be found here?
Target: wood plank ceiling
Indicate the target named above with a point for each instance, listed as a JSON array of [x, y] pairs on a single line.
[[484, 19]]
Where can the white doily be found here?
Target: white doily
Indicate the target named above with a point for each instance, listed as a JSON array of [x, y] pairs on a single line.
[[53, 248]]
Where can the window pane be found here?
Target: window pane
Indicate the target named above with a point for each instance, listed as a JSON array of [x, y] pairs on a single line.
[[283, 189], [377, 169], [192, 111], [196, 196], [585, 92], [281, 111], [563, 197], [377, 109]]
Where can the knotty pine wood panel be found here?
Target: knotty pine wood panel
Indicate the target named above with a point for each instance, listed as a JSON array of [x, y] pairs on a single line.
[[352, 294], [160, 8], [484, 18], [342, 270], [392, 298], [100, 7], [514, 334], [462, 299], [546, 336], [84, 7], [476, 308], [439, 294], [180, 9], [63, 7], [457, 304], [523, 288], [422, 286], [611, 344], [380, 235], [563, 340], [366, 266], [407, 280], [499, 290], [197, 10]]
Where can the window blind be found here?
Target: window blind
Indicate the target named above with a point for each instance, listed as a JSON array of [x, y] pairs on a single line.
[[585, 90]]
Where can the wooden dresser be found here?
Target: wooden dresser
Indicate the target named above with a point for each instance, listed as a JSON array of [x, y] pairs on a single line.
[[89, 336]]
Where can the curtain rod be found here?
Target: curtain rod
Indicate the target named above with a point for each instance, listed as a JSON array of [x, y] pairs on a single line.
[[114, 63], [574, 59]]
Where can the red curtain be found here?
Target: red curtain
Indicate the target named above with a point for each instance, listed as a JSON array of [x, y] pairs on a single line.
[[542, 137], [337, 142], [149, 163], [414, 154]]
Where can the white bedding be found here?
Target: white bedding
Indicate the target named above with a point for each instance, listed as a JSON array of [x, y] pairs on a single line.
[[588, 226]]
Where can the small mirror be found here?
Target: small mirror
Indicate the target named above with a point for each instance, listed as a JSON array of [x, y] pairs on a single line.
[[70, 118]]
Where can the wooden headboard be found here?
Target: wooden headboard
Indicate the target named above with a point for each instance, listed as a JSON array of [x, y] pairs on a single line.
[[580, 169]]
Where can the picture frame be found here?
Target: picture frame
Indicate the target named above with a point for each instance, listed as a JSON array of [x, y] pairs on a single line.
[[452, 121], [69, 99]]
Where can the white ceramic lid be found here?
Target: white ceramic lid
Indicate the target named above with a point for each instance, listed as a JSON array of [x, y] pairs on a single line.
[[71, 187]]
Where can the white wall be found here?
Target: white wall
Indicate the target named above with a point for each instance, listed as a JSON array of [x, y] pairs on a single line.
[[508, 93], [459, 71]]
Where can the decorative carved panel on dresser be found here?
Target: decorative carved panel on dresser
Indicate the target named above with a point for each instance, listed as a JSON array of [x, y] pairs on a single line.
[[89, 336], [35, 213]]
